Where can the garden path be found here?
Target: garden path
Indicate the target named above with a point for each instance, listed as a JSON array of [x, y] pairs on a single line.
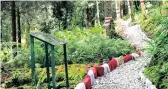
[[127, 75]]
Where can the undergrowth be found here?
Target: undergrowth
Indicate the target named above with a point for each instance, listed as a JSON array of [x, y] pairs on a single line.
[[156, 27]]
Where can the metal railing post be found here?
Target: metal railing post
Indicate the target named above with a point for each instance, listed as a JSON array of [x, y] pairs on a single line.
[[47, 65], [53, 67], [32, 59], [66, 65]]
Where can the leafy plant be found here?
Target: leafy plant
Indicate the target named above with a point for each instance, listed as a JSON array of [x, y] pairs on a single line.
[[157, 70], [84, 44]]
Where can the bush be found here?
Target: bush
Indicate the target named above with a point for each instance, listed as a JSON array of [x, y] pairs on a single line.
[[84, 44], [157, 70]]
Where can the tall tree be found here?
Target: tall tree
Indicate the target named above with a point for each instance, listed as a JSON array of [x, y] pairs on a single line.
[[142, 8], [13, 14], [118, 14], [19, 29], [6, 22], [97, 15], [107, 8], [129, 7], [125, 8], [110, 30], [118, 9], [89, 13], [62, 10], [132, 10]]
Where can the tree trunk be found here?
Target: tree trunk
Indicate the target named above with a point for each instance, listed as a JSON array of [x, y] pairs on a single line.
[[142, 7], [121, 8], [19, 29], [13, 22], [132, 11], [85, 18], [97, 15], [118, 9], [27, 31], [107, 8], [125, 8], [65, 21], [118, 14], [13, 14], [129, 7]]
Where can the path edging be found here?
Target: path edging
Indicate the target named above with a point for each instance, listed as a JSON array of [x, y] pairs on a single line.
[[89, 79]]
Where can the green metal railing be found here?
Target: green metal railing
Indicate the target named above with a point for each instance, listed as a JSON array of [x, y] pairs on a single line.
[[49, 41]]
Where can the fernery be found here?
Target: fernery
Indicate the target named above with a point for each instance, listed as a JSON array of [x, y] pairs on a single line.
[[85, 44]]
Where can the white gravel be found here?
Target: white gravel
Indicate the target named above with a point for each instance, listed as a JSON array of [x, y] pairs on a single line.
[[127, 75]]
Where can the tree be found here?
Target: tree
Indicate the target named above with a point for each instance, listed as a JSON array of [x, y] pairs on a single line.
[[62, 10], [6, 22], [129, 7], [143, 8], [132, 10], [89, 13], [108, 13], [118, 9], [97, 15], [125, 8], [13, 14], [35, 16], [19, 28]]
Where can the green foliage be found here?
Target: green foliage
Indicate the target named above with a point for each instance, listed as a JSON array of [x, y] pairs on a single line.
[[22, 76], [152, 73], [151, 48], [156, 26], [76, 73], [9, 60], [6, 26], [62, 10], [126, 17], [83, 45], [18, 77]]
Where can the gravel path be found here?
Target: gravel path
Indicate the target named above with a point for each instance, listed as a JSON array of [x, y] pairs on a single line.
[[126, 76]]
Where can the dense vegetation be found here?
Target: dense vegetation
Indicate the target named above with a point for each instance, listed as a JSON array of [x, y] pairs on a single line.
[[156, 27], [84, 46], [81, 24]]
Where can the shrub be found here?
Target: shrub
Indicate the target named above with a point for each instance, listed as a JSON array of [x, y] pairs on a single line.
[[84, 44], [157, 70]]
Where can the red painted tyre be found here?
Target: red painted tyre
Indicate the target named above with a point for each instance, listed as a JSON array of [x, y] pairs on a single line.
[[127, 58], [100, 70], [113, 64], [95, 72], [87, 82]]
